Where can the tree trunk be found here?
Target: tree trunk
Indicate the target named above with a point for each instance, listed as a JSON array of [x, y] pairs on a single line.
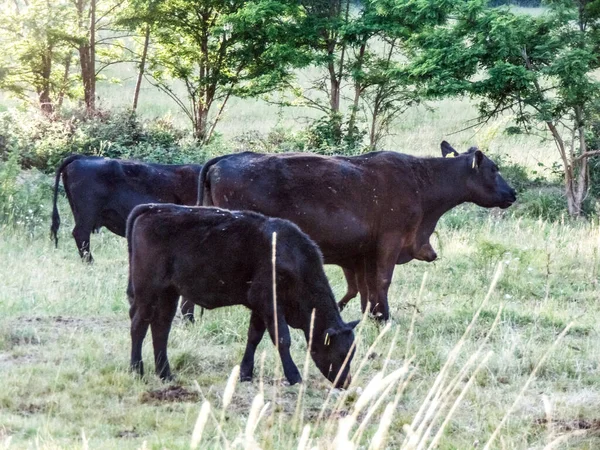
[[44, 97], [91, 106], [138, 84], [65, 81], [357, 93]]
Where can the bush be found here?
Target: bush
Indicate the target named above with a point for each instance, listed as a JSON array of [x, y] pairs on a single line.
[[43, 142], [23, 196], [547, 203], [515, 174]]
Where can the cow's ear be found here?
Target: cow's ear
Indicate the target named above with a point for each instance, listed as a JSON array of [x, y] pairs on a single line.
[[477, 159], [447, 150]]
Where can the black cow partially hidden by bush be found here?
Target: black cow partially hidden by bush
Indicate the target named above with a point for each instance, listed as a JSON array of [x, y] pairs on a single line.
[[216, 258], [103, 191], [366, 213]]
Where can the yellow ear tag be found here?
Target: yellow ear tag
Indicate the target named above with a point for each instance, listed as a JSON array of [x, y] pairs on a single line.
[[327, 339], [473, 162], [450, 155]]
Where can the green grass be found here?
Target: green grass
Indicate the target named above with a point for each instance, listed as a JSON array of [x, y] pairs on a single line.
[[64, 344]]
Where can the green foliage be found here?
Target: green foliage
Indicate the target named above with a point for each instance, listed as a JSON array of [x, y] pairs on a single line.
[[34, 50], [22, 196], [540, 69], [42, 142], [330, 135], [218, 49], [542, 203]]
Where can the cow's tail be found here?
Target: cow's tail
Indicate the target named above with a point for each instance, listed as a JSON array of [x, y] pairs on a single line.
[[55, 216], [202, 178], [133, 215]]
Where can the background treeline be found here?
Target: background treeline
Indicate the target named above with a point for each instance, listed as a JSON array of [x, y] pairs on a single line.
[[354, 68]]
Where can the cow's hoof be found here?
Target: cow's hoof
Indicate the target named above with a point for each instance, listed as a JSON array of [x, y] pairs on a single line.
[[166, 376], [341, 306], [246, 378], [137, 369], [294, 380], [189, 319]]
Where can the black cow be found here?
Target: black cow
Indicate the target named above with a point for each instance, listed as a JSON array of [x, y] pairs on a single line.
[[366, 213], [216, 258], [103, 191]]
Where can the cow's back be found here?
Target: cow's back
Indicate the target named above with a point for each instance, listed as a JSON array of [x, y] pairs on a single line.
[[341, 203]]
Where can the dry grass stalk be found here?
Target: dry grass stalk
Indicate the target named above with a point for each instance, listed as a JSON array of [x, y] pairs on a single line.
[[455, 382], [343, 397], [253, 419], [414, 316], [84, 440], [526, 386], [432, 400], [200, 424], [344, 394], [440, 432], [559, 441], [356, 438], [229, 390], [299, 412], [303, 443], [380, 437]]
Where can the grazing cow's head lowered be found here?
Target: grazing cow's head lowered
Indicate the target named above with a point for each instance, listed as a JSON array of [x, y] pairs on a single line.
[[485, 185], [333, 351]]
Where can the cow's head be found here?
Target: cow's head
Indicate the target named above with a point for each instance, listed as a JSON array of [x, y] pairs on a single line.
[[485, 186], [329, 352]]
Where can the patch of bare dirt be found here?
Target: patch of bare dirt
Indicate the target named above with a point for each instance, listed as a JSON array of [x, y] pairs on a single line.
[[169, 394], [30, 409], [128, 433], [571, 425], [69, 321]]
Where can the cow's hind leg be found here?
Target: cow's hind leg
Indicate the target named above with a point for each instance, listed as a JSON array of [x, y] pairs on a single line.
[[379, 273], [352, 291], [81, 234], [139, 328], [256, 331], [165, 310], [187, 310]]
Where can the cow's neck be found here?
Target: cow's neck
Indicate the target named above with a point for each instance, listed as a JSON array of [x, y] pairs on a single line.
[[326, 316], [446, 190]]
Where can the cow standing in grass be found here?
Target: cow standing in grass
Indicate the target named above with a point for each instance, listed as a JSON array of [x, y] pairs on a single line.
[[103, 191], [214, 258], [367, 213]]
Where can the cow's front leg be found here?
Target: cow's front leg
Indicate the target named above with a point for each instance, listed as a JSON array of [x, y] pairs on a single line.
[[256, 331], [284, 342], [166, 308]]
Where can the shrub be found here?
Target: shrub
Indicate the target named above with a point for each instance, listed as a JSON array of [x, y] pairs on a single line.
[[42, 142], [23, 196]]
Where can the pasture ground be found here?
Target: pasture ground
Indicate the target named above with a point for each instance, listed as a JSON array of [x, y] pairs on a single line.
[[64, 345]]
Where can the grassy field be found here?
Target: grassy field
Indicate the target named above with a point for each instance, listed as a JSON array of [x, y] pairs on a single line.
[[64, 347]]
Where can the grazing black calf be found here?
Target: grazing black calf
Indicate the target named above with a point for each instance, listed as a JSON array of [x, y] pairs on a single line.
[[214, 258]]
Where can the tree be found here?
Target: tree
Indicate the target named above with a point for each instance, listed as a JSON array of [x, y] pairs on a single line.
[[34, 56], [540, 69], [218, 50], [361, 46]]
